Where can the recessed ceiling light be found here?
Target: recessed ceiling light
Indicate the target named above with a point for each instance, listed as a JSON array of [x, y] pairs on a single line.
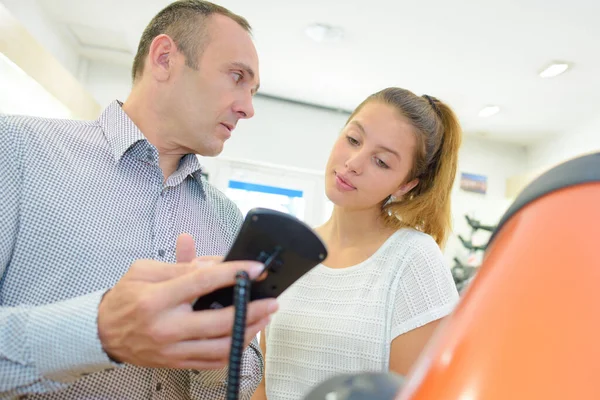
[[554, 69], [323, 32], [489, 111]]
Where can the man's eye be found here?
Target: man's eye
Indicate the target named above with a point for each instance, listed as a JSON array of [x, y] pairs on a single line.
[[237, 76]]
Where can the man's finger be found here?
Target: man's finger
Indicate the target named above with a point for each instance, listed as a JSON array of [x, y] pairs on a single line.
[[204, 261], [209, 324], [187, 288], [254, 329], [201, 350], [185, 250], [213, 350], [156, 271]]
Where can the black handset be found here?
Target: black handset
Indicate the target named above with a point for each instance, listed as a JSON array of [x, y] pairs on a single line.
[[288, 247]]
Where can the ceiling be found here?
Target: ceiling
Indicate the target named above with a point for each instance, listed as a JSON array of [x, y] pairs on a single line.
[[469, 53]]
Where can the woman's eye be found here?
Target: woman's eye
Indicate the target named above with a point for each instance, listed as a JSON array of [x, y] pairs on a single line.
[[381, 163], [352, 141]]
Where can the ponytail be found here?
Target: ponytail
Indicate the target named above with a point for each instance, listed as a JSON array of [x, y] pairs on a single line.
[[427, 206]]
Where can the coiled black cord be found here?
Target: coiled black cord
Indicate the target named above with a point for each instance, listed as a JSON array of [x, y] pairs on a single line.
[[241, 297]]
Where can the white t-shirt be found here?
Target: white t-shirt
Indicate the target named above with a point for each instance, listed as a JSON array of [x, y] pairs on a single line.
[[334, 321]]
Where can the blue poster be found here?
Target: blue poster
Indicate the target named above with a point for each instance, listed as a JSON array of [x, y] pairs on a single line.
[[473, 183]]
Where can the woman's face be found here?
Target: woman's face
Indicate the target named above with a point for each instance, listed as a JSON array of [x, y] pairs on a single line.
[[371, 159]]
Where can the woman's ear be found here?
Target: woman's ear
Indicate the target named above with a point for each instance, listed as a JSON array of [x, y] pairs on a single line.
[[405, 188]]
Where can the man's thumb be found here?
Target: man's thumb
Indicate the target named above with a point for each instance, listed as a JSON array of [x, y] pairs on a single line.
[[185, 250]]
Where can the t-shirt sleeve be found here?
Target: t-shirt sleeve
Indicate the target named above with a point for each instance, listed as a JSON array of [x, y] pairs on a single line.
[[425, 290]]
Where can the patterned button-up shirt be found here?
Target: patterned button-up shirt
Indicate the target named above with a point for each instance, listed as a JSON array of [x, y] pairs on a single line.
[[79, 202]]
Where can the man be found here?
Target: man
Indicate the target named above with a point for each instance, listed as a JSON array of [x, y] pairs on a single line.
[[97, 275]]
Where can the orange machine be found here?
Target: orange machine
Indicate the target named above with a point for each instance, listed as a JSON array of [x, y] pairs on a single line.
[[528, 327]]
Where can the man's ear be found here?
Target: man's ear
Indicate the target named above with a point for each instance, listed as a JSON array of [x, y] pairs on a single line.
[[405, 188], [161, 55]]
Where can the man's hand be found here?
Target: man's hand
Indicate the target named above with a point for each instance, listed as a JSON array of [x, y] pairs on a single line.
[[147, 318]]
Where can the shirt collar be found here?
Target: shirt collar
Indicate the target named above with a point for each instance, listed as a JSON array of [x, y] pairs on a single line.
[[119, 130], [122, 133]]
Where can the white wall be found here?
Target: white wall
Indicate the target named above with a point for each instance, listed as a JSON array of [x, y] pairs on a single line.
[[21, 94], [106, 82], [498, 162], [29, 13], [47, 54], [299, 137], [546, 154], [279, 133], [579, 141], [289, 136]]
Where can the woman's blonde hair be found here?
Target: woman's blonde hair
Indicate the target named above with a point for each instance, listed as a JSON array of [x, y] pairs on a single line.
[[427, 206]]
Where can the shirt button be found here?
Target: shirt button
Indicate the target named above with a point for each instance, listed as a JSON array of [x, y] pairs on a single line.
[[161, 253], [158, 386]]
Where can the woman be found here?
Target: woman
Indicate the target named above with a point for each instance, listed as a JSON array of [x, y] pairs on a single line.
[[376, 300]]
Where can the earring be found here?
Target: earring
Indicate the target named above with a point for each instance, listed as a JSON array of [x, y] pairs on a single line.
[[390, 199]]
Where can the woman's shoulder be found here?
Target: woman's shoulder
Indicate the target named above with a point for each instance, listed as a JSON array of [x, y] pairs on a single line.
[[411, 241], [408, 248]]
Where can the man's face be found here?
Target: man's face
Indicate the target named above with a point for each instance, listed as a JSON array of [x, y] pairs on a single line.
[[207, 103]]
